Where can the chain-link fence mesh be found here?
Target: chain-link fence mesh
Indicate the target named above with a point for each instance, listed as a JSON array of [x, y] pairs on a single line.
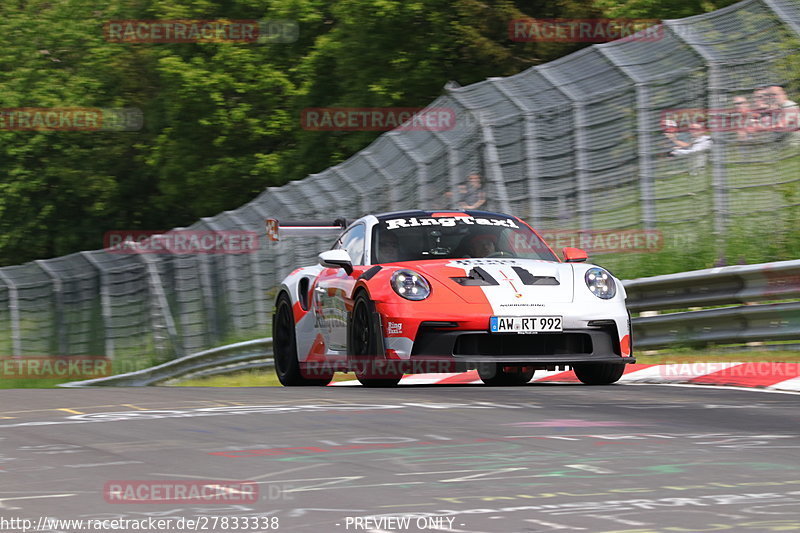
[[576, 144]]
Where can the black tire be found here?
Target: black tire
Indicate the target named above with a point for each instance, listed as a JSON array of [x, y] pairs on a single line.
[[284, 348], [363, 346], [500, 375], [602, 374]]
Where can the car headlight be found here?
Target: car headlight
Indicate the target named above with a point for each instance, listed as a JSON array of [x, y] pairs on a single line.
[[410, 285], [600, 283]]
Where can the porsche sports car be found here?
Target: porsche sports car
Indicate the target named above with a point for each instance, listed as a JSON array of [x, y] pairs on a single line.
[[427, 291]]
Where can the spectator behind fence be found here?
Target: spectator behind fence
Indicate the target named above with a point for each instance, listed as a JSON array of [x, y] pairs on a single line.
[[701, 141], [787, 111], [696, 148], [761, 107], [778, 96], [744, 119], [474, 198]]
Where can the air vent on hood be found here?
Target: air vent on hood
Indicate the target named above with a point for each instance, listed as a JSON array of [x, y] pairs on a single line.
[[476, 277], [529, 279]]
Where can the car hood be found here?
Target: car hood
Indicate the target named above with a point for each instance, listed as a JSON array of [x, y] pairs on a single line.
[[510, 285]]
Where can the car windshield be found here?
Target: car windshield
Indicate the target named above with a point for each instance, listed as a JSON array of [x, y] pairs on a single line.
[[444, 237]]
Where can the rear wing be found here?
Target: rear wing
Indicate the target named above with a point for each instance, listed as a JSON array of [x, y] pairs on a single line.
[[304, 228]]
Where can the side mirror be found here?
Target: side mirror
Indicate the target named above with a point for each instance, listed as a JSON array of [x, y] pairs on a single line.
[[574, 255], [336, 259]]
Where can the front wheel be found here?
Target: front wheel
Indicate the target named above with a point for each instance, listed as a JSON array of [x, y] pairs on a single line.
[[499, 375], [284, 348], [599, 374], [372, 369]]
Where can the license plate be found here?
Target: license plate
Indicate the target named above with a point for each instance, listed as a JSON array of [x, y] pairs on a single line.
[[524, 324]]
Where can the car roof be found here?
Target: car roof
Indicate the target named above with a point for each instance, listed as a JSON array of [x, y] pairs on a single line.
[[427, 213]]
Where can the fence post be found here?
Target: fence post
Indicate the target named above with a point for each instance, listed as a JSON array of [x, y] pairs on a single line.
[[58, 312], [13, 308], [230, 282], [783, 15], [718, 175], [258, 282], [385, 176], [423, 192], [495, 172], [105, 303], [644, 140], [159, 307], [581, 163], [531, 151]]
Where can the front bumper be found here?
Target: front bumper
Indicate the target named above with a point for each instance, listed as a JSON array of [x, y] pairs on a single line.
[[542, 350]]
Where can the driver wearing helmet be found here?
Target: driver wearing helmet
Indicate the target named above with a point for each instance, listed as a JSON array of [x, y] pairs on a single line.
[[482, 245], [388, 248]]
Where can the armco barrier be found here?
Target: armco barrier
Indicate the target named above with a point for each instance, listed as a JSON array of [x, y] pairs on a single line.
[[230, 358], [743, 284], [715, 286]]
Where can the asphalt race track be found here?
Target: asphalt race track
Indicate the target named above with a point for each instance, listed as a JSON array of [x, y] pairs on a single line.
[[544, 457]]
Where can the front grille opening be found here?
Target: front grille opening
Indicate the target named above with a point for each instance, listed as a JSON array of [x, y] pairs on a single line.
[[512, 344]]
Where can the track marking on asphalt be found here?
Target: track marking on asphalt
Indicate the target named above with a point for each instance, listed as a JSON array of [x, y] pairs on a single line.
[[3, 500], [113, 463], [155, 406], [553, 525], [188, 476], [73, 411], [592, 468], [481, 473], [134, 407], [324, 486], [284, 471], [406, 505]]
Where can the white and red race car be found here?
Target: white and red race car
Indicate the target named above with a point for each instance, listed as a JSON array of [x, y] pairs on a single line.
[[426, 291]]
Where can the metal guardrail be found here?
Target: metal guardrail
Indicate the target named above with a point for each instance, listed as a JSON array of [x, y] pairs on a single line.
[[240, 356], [715, 286], [743, 284], [729, 325], [739, 284]]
